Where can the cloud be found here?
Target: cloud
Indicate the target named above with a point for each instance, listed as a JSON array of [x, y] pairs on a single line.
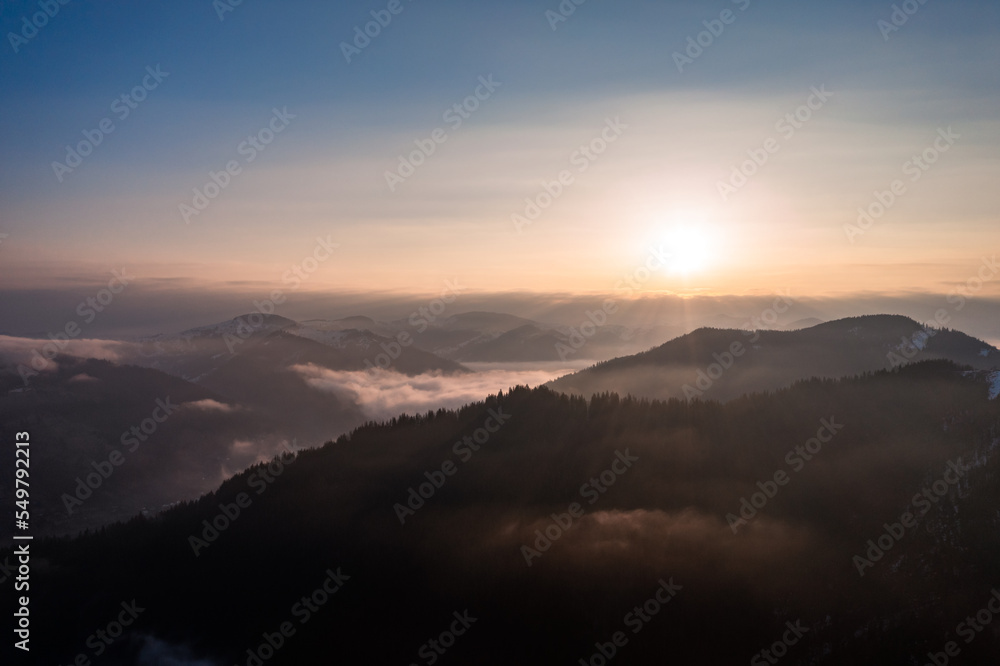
[[209, 405], [155, 652], [83, 377], [689, 542], [384, 393], [243, 453], [23, 350]]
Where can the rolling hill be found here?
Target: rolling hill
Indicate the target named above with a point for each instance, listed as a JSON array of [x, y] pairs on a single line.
[[722, 364]]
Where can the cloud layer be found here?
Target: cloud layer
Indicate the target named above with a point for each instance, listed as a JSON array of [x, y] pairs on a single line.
[[383, 393]]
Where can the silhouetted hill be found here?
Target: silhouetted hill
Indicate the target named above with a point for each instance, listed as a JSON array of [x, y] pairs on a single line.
[[724, 363], [176, 440], [826, 464], [525, 343], [263, 362], [808, 322], [493, 337], [199, 352]]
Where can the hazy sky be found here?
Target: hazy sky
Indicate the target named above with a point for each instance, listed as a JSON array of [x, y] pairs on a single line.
[[664, 132]]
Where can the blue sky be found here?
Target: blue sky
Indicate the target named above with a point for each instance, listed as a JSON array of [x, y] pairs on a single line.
[[325, 173]]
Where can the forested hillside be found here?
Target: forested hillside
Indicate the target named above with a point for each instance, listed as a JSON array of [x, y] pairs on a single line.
[[551, 518]]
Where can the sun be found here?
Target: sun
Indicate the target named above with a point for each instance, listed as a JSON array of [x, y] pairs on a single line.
[[688, 248]]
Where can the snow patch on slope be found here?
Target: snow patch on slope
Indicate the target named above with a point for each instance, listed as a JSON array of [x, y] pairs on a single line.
[[994, 378]]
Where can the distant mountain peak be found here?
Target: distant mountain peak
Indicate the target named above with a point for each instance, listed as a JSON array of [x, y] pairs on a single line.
[[875, 320], [254, 321], [724, 363], [807, 322]]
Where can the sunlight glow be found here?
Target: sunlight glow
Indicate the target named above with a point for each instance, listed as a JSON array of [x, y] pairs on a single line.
[[689, 249]]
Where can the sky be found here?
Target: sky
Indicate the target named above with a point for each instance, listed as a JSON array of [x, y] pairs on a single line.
[[698, 148]]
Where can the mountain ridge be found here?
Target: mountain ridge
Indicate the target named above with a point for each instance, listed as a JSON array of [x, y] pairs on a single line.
[[725, 363]]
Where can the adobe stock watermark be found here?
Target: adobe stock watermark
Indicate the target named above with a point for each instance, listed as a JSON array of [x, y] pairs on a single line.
[[779, 648], [103, 638], [122, 107], [787, 125], [968, 629], [223, 7], [921, 503], [633, 282], [581, 334], [796, 459], [249, 149], [987, 272], [727, 358], [917, 341], [37, 21], [714, 28], [7, 570], [636, 619], [900, 14], [87, 310], [381, 18], [22, 615], [435, 648], [630, 283], [562, 12], [294, 276], [259, 481], [463, 450], [455, 115], [302, 610], [581, 158], [422, 317], [103, 470], [591, 491], [419, 320], [915, 168]]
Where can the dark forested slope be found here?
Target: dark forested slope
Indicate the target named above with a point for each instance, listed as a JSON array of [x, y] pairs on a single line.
[[631, 514]]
